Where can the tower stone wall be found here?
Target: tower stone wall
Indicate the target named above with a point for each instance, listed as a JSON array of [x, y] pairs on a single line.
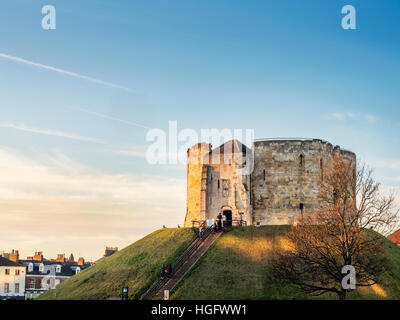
[[283, 184], [196, 182]]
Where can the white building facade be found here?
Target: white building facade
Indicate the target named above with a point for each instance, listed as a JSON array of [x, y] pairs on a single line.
[[12, 280]]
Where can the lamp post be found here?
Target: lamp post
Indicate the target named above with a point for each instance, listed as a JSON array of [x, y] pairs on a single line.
[[125, 293]]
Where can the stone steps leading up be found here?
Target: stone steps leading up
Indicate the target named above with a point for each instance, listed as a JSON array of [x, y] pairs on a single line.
[[185, 267]]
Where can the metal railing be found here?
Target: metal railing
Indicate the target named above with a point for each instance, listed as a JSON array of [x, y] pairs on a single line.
[[199, 223], [181, 260], [239, 223], [178, 263], [154, 288]]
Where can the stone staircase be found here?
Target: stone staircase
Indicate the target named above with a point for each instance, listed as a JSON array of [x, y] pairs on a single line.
[[182, 265]]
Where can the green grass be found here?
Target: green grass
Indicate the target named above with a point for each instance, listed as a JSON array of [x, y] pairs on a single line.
[[236, 267], [136, 266]]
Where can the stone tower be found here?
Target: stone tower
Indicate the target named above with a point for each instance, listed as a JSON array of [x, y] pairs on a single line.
[[197, 159], [283, 184], [286, 176]]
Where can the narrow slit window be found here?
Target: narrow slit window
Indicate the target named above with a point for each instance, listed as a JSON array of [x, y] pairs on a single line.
[[321, 165], [301, 160]]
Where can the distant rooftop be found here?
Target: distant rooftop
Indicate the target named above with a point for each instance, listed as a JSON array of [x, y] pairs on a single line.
[[8, 263]]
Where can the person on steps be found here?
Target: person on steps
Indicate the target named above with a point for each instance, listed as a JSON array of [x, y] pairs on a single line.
[[219, 217], [164, 271], [201, 233]]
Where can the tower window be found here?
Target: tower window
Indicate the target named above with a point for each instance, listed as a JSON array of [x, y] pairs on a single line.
[[301, 160], [301, 207], [321, 165], [218, 184], [264, 174]]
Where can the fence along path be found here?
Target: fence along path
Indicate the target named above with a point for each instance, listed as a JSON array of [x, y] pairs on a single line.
[[182, 265]]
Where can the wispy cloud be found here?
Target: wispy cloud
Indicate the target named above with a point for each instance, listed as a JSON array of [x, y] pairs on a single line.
[[370, 118], [395, 179], [387, 163], [49, 132], [69, 73], [97, 114], [343, 116], [136, 154], [51, 197]]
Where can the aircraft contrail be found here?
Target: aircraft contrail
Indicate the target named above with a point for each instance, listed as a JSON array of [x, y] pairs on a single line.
[[69, 73], [113, 118], [49, 132]]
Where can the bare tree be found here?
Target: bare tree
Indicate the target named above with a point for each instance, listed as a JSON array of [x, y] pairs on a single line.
[[344, 230]]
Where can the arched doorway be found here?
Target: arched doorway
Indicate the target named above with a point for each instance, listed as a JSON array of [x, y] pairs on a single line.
[[228, 214]]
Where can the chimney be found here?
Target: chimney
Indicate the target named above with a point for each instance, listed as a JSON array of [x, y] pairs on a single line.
[[110, 250], [81, 262], [14, 256], [38, 256], [61, 257]]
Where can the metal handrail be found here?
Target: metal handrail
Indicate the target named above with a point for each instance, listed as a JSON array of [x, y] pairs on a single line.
[[179, 262], [190, 250], [239, 222], [198, 223], [154, 288]]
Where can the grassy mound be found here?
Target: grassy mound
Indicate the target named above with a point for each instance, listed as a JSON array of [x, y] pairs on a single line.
[[236, 267], [136, 266]]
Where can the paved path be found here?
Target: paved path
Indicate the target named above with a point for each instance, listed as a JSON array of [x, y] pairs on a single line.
[[185, 267]]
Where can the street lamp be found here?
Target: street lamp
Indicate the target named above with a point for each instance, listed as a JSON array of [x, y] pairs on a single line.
[[125, 293]]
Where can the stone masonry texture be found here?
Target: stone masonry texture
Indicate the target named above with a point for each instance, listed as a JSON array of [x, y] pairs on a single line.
[[283, 183]]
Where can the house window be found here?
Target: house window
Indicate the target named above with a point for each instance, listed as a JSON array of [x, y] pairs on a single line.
[[7, 271], [6, 288], [17, 272], [77, 270], [16, 288], [30, 267], [31, 283], [41, 267], [58, 268]]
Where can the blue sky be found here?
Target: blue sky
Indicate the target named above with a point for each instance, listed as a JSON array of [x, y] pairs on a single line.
[[283, 68]]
